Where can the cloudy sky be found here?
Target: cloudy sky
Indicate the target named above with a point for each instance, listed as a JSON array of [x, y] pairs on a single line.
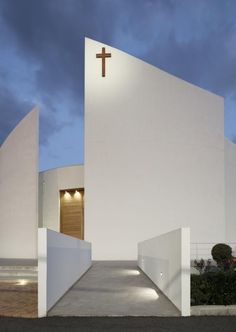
[[41, 58]]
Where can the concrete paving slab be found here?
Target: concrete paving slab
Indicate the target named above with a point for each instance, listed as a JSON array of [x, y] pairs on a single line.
[[213, 310], [18, 262], [17, 272], [114, 288], [18, 299]]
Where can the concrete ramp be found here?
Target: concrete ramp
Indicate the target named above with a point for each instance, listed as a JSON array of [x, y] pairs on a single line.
[[114, 288]]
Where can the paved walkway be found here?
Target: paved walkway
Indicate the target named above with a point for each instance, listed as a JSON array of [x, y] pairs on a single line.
[[115, 288], [18, 288], [17, 300]]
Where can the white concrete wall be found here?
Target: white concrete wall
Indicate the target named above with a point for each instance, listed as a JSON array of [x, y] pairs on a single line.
[[62, 260], [230, 190], [19, 190], [166, 261], [154, 155], [50, 184]]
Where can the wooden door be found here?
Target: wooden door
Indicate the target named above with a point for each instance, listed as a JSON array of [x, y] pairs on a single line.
[[72, 212]]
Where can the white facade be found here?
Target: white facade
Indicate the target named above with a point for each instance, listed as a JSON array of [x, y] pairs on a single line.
[[50, 184], [154, 155], [19, 190], [155, 160], [230, 191]]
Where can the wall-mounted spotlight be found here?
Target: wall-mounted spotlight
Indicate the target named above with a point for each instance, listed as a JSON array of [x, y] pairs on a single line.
[[77, 194], [67, 195]]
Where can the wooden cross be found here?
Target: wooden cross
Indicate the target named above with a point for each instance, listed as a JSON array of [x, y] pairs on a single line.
[[103, 56]]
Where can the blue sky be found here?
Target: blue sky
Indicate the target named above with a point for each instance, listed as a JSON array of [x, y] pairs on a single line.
[[42, 47]]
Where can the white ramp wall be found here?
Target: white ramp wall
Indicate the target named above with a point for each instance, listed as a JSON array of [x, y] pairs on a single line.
[[62, 260], [166, 261], [19, 190], [154, 155]]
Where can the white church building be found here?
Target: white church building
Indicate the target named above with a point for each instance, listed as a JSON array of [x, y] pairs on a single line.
[[156, 160]]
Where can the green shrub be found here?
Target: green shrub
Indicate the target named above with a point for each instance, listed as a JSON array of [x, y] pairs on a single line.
[[214, 288], [222, 254], [200, 290]]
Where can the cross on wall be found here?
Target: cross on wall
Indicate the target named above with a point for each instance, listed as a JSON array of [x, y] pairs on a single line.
[[103, 56]]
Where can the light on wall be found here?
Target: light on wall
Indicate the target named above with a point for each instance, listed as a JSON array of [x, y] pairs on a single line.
[[67, 195], [77, 194]]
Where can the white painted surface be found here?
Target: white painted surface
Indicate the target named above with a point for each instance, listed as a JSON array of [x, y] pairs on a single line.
[[42, 272], [19, 190], [50, 184], [154, 155], [62, 261], [166, 261], [230, 190]]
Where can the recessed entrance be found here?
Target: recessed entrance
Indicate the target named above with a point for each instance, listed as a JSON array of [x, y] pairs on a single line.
[[72, 212]]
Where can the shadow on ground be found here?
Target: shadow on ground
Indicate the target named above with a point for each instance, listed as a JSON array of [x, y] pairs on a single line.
[[90, 324]]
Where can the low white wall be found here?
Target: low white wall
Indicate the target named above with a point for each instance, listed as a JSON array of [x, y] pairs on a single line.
[[50, 184], [62, 260], [166, 261]]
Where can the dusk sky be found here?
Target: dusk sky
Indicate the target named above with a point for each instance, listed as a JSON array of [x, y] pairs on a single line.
[[42, 49]]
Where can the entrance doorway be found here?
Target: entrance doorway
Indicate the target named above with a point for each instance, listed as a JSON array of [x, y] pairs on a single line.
[[72, 212]]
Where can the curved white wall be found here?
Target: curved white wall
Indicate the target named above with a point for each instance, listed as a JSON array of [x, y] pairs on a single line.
[[50, 184], [19, 190], [154, 155], [230, 190]]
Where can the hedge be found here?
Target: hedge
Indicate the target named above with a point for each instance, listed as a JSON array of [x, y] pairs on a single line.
[[213, 288]]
